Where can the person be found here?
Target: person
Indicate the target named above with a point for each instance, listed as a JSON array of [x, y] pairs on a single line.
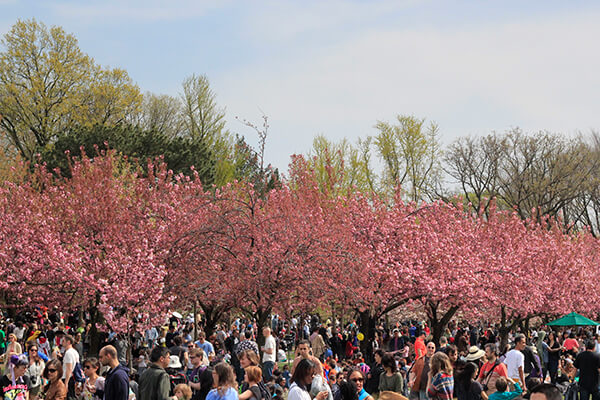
[[93, 388], [205, 345], [333, 384], [357, 376], [515, 361], [252, 376], [491, 370], [553, 356], [247, 344], [475, 355], [116, 383], [588, 362], [375, 371], [301, 380], [420, 348], [269, 354], [466, 387], [55, 389], [348, 391], [545, 391], [154, 383], [34, 371], [13, 348], [14, 384], [440, 384], [182, 392], [303, 352], [390, 380], [224, 381], [396, 343], [200, 378], [70, 360], [502, 387], [571, 345], [420, 370], [317, 343]]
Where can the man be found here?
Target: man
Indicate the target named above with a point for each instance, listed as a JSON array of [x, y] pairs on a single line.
[[269, 354], [116, 386], [200, 376], [70, 360], [420, 348], [545, 391], [491, 370], [178, 350], [418, 391], [154, 383], [396, 343], [588, 362], [515, 361], [303, 351], [247, 344], [205, 345]]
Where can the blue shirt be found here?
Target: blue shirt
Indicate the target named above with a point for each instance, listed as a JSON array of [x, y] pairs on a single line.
[[230, 394], [506, 395], [207, 347]]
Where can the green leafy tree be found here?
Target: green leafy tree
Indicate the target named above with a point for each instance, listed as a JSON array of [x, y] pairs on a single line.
[[48, 85], [139, 146], [411, 152]]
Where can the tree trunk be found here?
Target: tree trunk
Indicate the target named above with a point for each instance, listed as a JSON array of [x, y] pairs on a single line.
[[95, 318], [439, 324], [367, 328]]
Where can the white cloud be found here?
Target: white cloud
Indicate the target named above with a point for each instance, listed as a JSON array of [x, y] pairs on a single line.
[[537, 74]]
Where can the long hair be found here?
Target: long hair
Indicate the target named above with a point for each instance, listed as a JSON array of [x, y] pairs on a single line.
[[440, 362], [251, 356], [225, 378], [303, 370], [466, 376]]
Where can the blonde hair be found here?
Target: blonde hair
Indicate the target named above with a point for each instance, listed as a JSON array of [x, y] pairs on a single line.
[[185, 390], [440, 362], [225, 378]]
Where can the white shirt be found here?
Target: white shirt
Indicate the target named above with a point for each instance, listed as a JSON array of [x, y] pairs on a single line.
[[513, 360], [71, 357], [296, 393], [270, 344]]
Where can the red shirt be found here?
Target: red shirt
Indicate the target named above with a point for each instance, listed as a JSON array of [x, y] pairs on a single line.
[[571, 344], [420, 348]]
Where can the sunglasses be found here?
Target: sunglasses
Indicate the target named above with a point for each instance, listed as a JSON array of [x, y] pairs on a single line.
[[51, 370], [355, 380], [87, 367]]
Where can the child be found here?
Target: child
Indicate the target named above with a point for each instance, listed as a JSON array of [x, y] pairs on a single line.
[[182, 392], [502, 386]]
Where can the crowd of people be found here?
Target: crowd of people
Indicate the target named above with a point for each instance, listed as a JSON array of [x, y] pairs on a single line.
[[50, 356]]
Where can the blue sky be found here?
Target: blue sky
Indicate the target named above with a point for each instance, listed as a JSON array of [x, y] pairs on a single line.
[[336, 67]]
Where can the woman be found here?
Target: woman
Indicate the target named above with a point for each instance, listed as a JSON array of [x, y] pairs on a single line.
[[35, 370], [14, 384], [348, 391], [252, 377], [13, 348], [301, 380], [375, 372], [553, 356], [224, 381], [466, 387], [440, 385], [93, 388], [55, 389], [358, 378], [391, 380], [248, 358]]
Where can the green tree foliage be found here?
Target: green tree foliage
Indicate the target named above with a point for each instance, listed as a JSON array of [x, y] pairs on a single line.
[[410, 151], [139, 146], [48, 85]]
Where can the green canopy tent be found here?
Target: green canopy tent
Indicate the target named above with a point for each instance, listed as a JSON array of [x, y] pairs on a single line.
[[573, 319]]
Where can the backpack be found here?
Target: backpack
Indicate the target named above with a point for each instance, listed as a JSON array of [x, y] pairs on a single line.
[[175, 378], [264, 391], [536, 370], [78, 373]]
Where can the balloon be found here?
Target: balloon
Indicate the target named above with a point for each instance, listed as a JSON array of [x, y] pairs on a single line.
[[360, 337]]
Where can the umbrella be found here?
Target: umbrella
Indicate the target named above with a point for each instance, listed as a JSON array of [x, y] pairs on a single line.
[[573, 319], [177, 315]]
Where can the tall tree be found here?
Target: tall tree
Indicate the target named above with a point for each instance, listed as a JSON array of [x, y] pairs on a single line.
[[47, 84], [410, 151]]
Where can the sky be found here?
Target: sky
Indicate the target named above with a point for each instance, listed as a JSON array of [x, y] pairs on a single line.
[[337, 67]]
